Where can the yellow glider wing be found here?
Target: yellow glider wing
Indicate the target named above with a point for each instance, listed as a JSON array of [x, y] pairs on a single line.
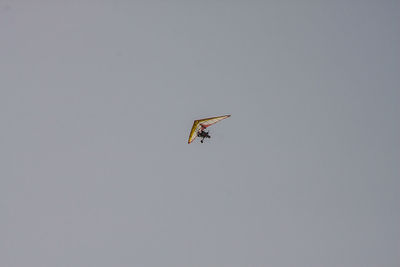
[[202, 124]]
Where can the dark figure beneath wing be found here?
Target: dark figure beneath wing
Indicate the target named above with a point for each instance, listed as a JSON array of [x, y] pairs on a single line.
[[203, 134]]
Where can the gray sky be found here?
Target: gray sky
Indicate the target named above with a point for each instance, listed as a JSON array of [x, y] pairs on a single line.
[[97, 99]]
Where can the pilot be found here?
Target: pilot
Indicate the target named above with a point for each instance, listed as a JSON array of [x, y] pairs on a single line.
[[203, 134]]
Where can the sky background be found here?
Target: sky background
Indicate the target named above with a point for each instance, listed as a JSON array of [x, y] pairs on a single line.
[[97, 99]]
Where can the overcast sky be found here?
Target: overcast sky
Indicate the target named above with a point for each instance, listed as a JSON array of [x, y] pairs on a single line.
[[97, 99]]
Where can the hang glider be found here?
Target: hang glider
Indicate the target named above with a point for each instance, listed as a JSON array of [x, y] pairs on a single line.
[[200, 125]]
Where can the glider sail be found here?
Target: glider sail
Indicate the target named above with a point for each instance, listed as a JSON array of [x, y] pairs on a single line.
[[199, 125]]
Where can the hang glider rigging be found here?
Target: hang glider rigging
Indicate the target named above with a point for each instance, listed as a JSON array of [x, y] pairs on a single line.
[[199, 126]]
